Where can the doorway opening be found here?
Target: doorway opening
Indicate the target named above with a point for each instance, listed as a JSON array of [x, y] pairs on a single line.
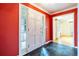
[[63, 29]]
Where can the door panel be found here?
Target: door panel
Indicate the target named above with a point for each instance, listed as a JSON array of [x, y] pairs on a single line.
[[31, 30], [40, 28], [38, 32], [43, 30], [23, 30]]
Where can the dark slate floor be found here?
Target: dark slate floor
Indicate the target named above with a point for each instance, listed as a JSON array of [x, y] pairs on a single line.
[[54, 49]]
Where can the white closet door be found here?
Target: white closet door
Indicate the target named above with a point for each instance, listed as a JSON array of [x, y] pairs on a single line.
[[43, 32], [23, 30], [38, 31], [40, 38], [31, 30]]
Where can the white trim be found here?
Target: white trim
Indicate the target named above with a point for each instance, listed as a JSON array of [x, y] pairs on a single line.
[[48, 42], [20, 54], [44, 28], [63, 10], [19, 26], [76, 47], [40, 8], [23, 5], [78, 29], [65, 45]]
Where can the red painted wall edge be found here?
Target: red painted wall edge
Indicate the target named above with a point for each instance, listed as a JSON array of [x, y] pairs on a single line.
[[75, 22]]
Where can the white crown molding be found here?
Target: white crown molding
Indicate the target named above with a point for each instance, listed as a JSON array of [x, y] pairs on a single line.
[[40, 8], [53, 12], [64, 10]]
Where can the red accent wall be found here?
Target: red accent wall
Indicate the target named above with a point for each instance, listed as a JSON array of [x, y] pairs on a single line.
[[9, 29], [48, 21], [75, 22], [48, 28]]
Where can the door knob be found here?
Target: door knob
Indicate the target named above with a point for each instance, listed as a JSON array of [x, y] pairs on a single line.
[[28, 29]]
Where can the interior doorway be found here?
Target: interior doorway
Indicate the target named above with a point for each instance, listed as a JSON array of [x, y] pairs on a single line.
[[63, 29]]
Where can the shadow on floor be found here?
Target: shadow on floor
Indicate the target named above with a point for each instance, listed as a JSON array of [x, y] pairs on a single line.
[[54, 49]]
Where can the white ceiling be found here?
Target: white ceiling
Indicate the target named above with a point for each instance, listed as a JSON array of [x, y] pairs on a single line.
[[54, 7]]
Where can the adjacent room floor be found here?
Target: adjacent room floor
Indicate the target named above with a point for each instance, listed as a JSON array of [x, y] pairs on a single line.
[[54, 49]]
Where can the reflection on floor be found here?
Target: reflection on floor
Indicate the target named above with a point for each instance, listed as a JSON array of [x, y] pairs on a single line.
[[54, 49]]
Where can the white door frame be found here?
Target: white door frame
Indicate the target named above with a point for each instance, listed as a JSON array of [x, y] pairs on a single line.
[[20, 52], [53, 27]]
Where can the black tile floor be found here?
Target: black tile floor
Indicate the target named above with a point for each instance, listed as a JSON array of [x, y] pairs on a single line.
[[54, 49]]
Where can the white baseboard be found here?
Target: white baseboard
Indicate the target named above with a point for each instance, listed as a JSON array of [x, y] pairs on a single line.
[[73, 46], [70, 46], [76, 47], [49, 41]]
